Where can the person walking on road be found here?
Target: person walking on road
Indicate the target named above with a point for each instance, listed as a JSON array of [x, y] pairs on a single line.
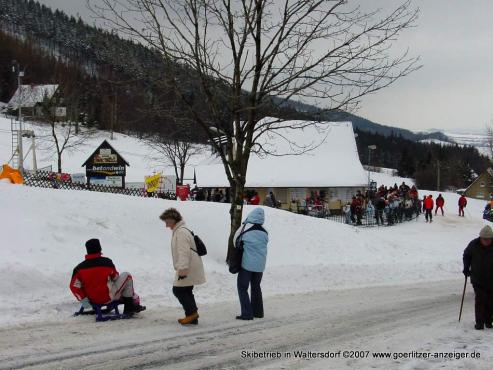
[[478, 264], [187, 264]]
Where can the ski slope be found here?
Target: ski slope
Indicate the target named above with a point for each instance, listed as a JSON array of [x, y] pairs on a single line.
[[44, 232]]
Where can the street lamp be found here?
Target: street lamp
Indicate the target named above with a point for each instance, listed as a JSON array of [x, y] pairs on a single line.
[[370, 148]]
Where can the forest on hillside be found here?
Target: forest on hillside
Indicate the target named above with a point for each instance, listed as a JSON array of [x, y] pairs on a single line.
[[457, 166], [115, 84]]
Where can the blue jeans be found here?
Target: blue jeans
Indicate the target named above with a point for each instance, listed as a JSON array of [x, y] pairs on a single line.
[[255, 307]]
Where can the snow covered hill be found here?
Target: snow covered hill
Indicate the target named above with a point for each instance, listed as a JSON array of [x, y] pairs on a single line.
[[44, 231], [143, 159]]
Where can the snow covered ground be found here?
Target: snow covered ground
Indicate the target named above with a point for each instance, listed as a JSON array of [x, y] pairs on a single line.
[[380, 289], [144, 160], [477, 140], [44, 232], [356, 326]]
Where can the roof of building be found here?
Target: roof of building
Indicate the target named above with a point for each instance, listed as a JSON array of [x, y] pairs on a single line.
[[27, 96], [326, 156], [105, 143]]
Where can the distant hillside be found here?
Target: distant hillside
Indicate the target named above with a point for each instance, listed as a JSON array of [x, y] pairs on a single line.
[[366, 125]]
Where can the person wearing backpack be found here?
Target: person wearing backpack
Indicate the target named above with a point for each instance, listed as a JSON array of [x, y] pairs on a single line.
[[187, 264], [253, 239]]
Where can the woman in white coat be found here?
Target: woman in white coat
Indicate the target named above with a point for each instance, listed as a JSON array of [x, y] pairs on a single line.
[[187, 264]]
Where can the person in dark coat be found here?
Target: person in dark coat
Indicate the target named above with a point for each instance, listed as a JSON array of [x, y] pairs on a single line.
[[379, 208], [478, 264]]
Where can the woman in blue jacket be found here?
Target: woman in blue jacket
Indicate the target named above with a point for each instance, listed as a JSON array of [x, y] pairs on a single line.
[[254, 239]]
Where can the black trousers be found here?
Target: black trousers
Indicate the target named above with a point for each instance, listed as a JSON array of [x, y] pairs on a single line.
[[186, 298], [429, 215], [255, 306], [483, 304]]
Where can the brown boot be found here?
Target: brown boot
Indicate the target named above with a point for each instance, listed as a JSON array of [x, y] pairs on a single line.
[[192, 319]]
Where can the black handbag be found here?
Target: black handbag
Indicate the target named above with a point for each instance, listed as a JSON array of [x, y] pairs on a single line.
[[236, 254]]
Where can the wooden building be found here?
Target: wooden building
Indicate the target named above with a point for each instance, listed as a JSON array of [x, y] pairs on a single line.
[[482, 187]]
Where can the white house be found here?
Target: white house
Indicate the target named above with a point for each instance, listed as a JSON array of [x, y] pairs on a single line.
[[28, 97], [331, 168]]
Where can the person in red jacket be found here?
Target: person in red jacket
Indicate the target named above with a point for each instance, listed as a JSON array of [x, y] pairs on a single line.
[[440, 202], [462, 204], [255, 199], [96, 280], [428, 205]]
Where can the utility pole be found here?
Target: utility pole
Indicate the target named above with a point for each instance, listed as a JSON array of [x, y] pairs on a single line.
[[17, 69], [438, 175], [370, 148]]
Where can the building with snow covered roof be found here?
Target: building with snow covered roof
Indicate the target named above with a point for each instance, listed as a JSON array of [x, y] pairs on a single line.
[[28, 98], [482, 187], [331, 168]]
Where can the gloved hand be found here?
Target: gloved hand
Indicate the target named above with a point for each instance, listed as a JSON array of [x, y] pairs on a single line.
[[182, 274], [86, 303], [466, 272]]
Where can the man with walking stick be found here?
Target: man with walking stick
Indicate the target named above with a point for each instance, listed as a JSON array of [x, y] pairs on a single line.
[[478, 264]]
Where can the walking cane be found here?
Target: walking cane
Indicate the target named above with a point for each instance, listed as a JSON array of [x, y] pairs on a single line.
[[463, 294]]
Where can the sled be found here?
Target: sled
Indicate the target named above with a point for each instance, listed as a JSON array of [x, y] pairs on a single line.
[[103, 311]]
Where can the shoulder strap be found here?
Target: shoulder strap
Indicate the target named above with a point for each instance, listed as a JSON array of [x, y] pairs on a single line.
[[193, 235], [191, 232], [254, 227]]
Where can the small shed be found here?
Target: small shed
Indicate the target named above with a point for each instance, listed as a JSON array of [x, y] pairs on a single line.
[[106, 167], [482, 187]]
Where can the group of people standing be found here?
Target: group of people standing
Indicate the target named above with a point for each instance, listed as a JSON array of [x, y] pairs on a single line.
[[96, 281], [395, 203], [428, 205]]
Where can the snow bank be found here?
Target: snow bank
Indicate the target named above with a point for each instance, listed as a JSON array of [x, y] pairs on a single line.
[[44, 232]]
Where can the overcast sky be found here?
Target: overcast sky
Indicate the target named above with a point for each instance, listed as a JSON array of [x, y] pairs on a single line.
[[453, 90]]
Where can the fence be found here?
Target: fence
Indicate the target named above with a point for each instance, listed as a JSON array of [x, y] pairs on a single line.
[[45, 179], [367, 218]]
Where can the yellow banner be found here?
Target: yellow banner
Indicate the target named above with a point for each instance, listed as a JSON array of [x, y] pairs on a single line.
[[153, 182]]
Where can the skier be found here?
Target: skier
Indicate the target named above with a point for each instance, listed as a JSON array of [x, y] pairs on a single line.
[[440, 202], [478, 264], [97, 281], [187, 264], [428, 206], [462, 204], [253, 238]]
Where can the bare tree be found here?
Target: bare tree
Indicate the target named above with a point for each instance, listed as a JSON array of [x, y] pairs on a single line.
[[176, 153], [243, 57], [63, 136]]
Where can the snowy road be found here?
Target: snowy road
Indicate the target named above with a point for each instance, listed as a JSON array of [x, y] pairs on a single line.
[[371, 319]]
